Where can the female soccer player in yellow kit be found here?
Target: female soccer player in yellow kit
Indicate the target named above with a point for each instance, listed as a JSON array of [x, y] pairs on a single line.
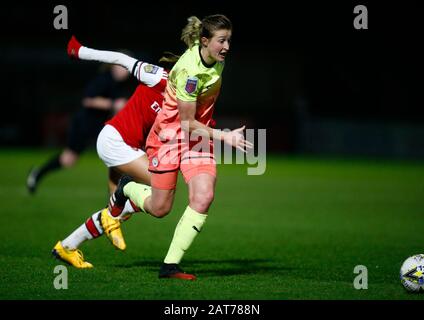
[[193, 87]]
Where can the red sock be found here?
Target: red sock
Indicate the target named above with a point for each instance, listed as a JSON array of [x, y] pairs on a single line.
[[73, 48]]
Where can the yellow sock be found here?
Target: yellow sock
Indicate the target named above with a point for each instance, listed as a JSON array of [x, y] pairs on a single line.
[[137, 192], [187, 229]]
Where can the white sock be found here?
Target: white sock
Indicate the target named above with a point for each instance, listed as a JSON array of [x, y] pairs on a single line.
[[87, 231], [122, 59], [129, 209]]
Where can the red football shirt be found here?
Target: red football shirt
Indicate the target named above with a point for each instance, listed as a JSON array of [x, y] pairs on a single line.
[[136, 118]]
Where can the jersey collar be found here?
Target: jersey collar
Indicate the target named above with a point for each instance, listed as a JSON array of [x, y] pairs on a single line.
[[204, 62]]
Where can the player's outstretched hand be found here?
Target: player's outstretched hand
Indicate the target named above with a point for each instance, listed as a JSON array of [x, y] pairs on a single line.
[[236, 139], [73, 48]]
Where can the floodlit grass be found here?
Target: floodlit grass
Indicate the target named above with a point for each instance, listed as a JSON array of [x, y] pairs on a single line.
[[296, 232]]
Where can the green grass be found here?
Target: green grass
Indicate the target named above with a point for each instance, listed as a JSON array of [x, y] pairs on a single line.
[[296, 232]]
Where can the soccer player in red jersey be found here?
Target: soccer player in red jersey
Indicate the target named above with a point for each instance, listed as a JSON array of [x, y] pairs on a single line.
[[120, 145]]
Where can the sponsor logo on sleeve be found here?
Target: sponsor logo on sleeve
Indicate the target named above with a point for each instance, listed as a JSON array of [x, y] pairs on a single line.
[[191, 85], [150, 68]]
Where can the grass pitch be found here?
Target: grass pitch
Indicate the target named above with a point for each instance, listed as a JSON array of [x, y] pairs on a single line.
[[296, 232]]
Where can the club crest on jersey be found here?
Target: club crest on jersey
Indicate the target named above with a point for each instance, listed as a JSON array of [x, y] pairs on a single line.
[[150, 68], [191, 84], [155, 162]]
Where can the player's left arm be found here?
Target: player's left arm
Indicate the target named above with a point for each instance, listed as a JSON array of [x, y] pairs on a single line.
[[187, 112], [146, 73]]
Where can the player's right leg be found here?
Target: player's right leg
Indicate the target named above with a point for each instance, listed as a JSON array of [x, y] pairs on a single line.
[[67, 249], [95, 226], [73, 257], [120, 208]]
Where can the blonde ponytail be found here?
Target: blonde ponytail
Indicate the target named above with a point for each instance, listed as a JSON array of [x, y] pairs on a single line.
[[191, 32], [169, 57], [168, 60]]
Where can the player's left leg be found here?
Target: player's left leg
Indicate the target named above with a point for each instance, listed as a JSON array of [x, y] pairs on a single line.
[[121, 159], [120, 208], [114, 177], [201, 185], [135, 170], [138, 169]]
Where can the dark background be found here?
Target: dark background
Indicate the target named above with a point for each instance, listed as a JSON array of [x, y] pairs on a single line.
[[300, 70]]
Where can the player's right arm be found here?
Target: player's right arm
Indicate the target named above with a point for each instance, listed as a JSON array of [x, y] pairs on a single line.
[[146, 73], [187, 90]]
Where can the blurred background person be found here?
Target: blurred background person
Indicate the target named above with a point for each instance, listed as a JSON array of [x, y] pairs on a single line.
[[103, 96]]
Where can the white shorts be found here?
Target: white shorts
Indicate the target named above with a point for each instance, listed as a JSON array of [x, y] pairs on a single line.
[[113, 150]]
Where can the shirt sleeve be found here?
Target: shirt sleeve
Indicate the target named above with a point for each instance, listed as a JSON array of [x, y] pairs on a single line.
[[187, 86], [149, 74]]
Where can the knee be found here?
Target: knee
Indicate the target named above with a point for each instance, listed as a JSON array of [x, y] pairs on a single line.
[[201, 201], [68, 159], [162, 210]]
